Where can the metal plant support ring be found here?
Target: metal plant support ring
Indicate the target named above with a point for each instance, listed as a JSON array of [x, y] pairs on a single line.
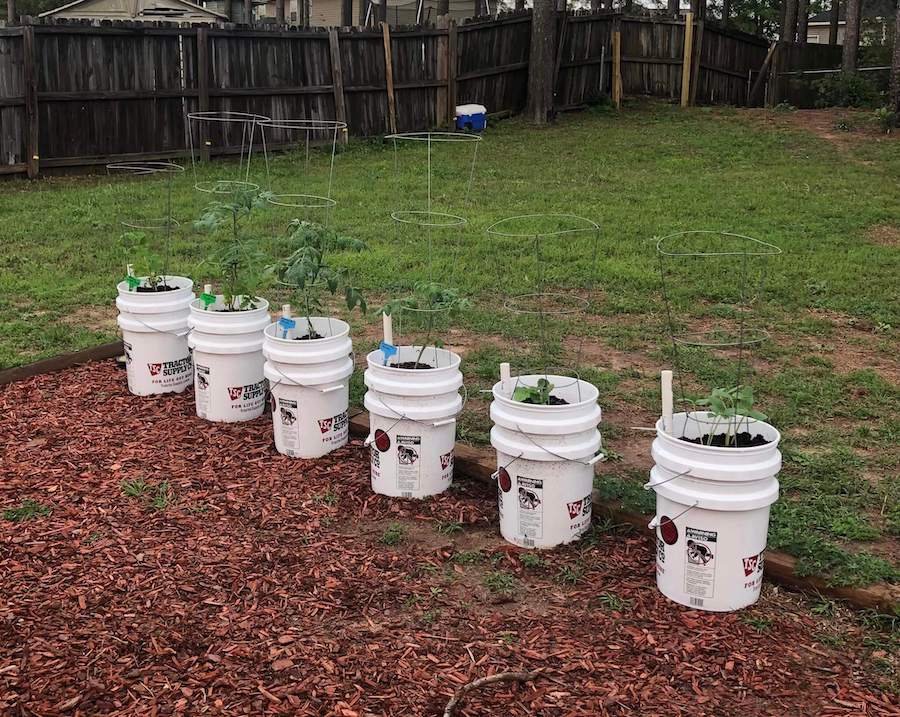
[[202, 124]]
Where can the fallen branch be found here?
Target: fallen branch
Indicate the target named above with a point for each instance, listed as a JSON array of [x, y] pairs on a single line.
[[461, 693]]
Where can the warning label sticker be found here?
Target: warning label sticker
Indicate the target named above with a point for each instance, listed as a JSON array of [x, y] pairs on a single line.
[[408, 463], [531, 508], [201, 389], [700, 565], [287, 424]]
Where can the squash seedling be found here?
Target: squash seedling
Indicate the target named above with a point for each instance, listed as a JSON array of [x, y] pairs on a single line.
[[728, 407], [137, 252], [429, 299], [309, 271], [539, 395], [238, 262]]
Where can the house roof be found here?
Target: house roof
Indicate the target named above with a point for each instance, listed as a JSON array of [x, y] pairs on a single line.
[[870, 9], [185, 3]]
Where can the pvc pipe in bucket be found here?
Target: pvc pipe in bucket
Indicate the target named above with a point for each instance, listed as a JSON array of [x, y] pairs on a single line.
[[228, 360], [712, 513], [154, 328], [309, 383], [545, 457], [412, 418]]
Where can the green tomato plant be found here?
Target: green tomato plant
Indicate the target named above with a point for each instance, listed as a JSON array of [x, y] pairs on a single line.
[[238, 262], [308, 268], [137, 251], [431, 299], [730, 406]]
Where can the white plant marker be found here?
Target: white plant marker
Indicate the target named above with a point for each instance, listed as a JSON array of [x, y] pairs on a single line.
[[668, 400], [388, 323], [285, 311], [505, 378], [207, 288]]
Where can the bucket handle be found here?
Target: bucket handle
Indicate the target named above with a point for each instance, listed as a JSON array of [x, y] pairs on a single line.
[[657, 521], [600, 456], [649, 484], [177, 334]]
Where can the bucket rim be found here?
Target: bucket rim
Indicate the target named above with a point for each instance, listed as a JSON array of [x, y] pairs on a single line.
[[455, 361], [497, 388], [122, 287], [344, 331], [718, 450], [263, 306]]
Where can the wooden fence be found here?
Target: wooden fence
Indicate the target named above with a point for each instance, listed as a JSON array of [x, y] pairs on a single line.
[[78, 94]]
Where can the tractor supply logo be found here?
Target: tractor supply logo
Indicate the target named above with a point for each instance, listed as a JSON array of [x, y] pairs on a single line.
[[753, 571], [586, 505], [751, 564], [325, 424], [574, 509], [249, 392], [128, 357], [155, 368], [446, 460], [170, 368]]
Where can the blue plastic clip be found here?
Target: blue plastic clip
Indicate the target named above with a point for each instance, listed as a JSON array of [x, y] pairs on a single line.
[[287, 325], [388, 350]]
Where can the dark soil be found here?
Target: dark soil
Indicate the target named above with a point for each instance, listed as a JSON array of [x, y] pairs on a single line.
[[156, 289], [553, 401], [411, 364], [309, 337], [721, 440]]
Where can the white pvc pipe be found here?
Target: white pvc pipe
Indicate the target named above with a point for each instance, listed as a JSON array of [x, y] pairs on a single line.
[[388, 322], [505, 378], [285, 311], [207, 288], [668, 400]]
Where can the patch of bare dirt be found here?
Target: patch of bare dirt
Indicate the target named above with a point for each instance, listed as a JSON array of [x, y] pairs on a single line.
[[96, 318], [884, 234], [826, 124]]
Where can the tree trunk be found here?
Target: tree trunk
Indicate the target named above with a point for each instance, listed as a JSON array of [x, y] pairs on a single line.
[[851, 36], [698, 7], [628, 7], [520, 4], [248, 12], [674, 8], [382, 11], [726, 11], [541, 62], [11, 11], [802, 20], [895, 63], [443, 7], [279, 12], [346, 12], [595, 5], [833, 22], [789, 29]]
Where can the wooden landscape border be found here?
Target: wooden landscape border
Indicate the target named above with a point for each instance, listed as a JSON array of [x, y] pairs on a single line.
[[479, 464]]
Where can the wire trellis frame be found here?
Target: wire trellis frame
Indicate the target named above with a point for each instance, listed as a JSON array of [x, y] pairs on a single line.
[[310, 128], [752, 249], [203, 121], [164, 223], [543, 303]]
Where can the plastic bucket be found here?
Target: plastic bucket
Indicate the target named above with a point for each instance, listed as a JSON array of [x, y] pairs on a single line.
[[412, 421], [229, 384], [309, 384], [154, 331], [712, 513], [545, 459]]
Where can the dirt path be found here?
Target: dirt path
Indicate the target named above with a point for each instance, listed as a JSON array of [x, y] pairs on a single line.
[[241, 582]]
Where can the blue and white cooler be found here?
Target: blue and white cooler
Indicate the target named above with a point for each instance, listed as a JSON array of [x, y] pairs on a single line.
[[471, 117]]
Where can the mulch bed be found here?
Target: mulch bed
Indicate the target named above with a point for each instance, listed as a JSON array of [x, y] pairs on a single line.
[[250, 583]]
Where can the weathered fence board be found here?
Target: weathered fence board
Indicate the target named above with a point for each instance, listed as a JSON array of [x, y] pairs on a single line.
[[79, 94]]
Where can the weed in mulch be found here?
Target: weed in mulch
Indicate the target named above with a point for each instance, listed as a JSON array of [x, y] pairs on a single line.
[[469, 557], [449, 527], [570, 575], [394, 534], [29, 510], [500, 583], [532, 561]]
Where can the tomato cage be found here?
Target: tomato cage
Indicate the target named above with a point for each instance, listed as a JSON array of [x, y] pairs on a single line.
[[303, 178], [550, 275], [223, 133], [148, 223], [712, 283]]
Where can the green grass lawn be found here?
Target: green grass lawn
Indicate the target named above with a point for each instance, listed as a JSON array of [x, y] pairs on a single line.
[[827, 377]]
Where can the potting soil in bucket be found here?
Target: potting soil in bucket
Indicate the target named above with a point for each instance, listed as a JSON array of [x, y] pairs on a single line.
[[229, 384], [412, 419], [712, 513], [309, 384], [154, 328], [545, 457]]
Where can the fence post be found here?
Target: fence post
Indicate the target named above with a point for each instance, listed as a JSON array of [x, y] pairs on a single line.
[[389, 75], [686, 60], [337, 79], [774, 68], [29, 60], [202, 89], [441, 95], [695, 70], [617, 64], [452, 59]]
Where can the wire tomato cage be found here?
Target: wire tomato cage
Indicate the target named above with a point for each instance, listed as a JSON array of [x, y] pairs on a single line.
[[225, 131], [712, 283], [309, 136], [543, 249]]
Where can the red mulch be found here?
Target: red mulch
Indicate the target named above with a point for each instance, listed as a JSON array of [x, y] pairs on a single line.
[[262, 587]]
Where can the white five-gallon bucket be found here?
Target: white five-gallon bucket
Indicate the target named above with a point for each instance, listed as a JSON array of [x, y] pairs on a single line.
[[545, 458], [309, 381], [229, 384], [412, 421], [712, 513], [154, 330]]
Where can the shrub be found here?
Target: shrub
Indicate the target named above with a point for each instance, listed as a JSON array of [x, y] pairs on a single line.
[[846, 89], [886, 119]]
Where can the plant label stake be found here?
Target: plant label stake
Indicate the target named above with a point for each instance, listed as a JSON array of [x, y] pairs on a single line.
[[286, 322], [130, 278], [207, 297], [668, 401], [387, 346], [505, 378]]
